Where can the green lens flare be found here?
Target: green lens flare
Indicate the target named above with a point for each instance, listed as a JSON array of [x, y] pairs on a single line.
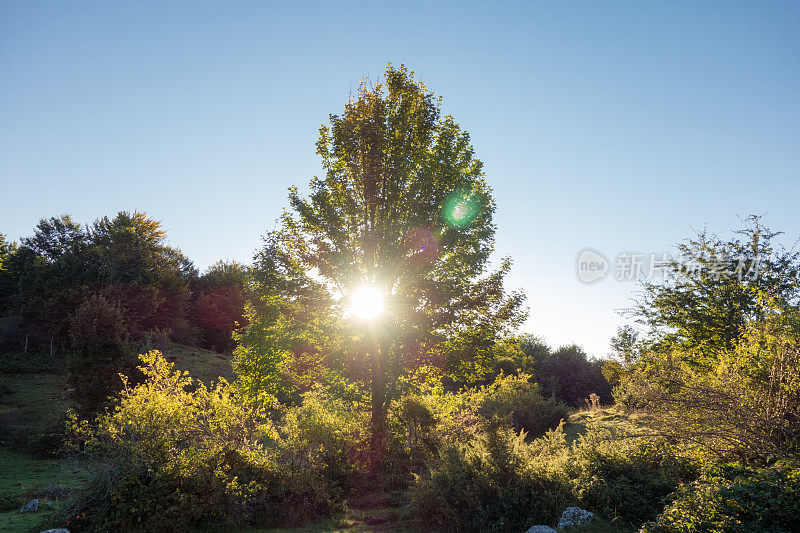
[[461, 208]]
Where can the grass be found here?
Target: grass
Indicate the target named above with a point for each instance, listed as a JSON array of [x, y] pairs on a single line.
[[205, 365], [352, 521], [25, 477], [366, 512], [31, 405], [597, 525], [34, 399], [610, 419], [34, 405]]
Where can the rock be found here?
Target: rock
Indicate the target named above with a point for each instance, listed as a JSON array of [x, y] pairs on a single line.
[[56, 530], [541, 529], [575, 516], [30, 507]]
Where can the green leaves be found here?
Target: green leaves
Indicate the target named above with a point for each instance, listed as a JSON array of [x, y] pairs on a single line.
[[716, 288], [404, 207]]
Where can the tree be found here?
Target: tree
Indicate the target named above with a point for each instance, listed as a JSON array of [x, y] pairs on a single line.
[[566, 373], [218, 308], [99, 352], [718, 367], [6, 249], [746, 407], [626, 345], [133, 266], [125, 260], [715, 288], [48, 271], [404, 209], [9, 320], [55, 238]]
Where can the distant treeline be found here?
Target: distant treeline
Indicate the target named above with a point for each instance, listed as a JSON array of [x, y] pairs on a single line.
[[112, 282]]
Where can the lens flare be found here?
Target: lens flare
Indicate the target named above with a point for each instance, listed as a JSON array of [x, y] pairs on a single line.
[[366, 302], [461, 208]]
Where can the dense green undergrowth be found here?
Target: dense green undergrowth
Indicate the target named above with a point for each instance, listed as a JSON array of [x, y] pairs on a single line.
[[178, 454], [501, 482], [736, 499]]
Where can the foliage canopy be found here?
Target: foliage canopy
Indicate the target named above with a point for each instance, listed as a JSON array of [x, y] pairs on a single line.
[[403, 207]]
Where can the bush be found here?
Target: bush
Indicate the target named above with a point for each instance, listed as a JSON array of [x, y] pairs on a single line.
[[421, 423], [746, 407], [488, 485], [626, 482], [735, 499], [328, 434], [169, 459], [500, 482], [519, 401], [413, 439]]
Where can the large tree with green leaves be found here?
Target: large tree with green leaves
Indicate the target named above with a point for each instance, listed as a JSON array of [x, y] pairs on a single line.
[[132, 265], [47, 273], [403, 208]]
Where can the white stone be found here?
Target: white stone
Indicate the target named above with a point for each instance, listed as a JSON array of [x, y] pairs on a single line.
[[30, 507], [574, 516], [541, 529]]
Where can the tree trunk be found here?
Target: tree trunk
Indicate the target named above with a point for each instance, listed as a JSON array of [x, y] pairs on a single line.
[[378, 422]]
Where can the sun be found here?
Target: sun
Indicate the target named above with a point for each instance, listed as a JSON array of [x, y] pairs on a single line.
[[366, 302]]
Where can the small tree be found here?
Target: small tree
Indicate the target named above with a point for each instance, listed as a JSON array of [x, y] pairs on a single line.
[[403, 209], [715, 289], [99, 339]]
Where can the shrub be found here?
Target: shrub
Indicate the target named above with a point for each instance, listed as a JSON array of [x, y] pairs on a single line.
[[735, 499], [625, 482], [169, 459], [501, 482], [328, 434], [488, 485], [421, 423], [746, 407], [413, 439], [519, 401]]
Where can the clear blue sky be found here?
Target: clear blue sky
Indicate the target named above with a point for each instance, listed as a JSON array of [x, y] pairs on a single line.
[[613, 125]]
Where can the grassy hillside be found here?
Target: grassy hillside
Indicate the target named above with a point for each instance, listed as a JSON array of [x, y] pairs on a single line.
[[204, 365], [33, 406]]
